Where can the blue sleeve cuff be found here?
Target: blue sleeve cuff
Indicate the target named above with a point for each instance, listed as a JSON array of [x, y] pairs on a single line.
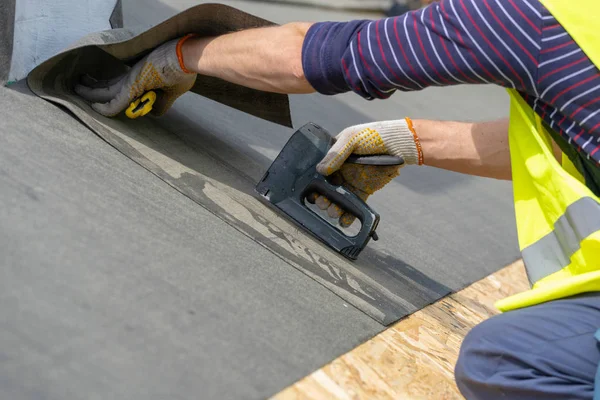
[[322, 52]]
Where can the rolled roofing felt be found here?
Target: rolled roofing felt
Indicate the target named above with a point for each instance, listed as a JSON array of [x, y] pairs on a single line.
[[126, 46]]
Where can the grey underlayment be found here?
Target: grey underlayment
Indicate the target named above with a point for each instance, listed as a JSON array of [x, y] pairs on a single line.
[[383, 283], [115, 286], [143, 265], [7, 21]]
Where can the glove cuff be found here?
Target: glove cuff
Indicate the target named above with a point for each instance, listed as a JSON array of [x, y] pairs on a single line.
[[401, 140]]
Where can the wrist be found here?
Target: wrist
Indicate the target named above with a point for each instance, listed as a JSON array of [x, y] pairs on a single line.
[[188, 54], [400, 138]]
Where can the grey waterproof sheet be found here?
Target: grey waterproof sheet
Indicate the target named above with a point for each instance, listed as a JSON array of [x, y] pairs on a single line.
[[115, 286], [138, 264], [210, 154]]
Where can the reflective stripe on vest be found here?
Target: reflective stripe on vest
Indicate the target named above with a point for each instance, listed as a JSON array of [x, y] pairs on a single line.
[[553, 252]]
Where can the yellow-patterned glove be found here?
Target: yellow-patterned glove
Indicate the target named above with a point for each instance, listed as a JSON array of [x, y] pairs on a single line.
[[396, 138], [161, 69]]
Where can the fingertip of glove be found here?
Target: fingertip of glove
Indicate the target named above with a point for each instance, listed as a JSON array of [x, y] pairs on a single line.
[[312, 197], [102, 109], [325, 167], [78, 88], [322, 202], [322, 169], [347, 220], [334, 211], [82, 90]]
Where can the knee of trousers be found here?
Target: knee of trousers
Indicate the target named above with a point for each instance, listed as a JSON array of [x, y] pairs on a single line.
[[479, 357]]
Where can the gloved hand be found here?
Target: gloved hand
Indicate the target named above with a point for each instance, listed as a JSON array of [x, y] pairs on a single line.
[[161, 69], [395, 138]]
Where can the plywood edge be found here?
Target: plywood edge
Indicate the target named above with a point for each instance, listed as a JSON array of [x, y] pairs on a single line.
[[415, 358]]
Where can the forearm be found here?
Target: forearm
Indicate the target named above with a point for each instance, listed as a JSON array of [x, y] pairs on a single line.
[[479, 148], [268, 59], [473, 148]]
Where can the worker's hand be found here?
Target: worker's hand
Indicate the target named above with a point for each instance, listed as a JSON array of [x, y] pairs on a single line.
[[161, 69], [395, 138]]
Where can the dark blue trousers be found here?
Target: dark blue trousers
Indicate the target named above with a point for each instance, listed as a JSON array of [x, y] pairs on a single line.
[[547, 351]]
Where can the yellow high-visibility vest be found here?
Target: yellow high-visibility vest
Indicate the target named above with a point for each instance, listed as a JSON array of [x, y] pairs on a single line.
[[558, 217]]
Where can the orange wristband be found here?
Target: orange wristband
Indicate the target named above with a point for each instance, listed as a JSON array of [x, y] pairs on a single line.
[[180, 55], [417, 142]]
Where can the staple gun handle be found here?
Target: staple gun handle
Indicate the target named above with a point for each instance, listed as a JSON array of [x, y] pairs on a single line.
[[381, 160]]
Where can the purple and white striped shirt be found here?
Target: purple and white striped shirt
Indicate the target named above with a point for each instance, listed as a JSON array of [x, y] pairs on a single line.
[[512, 43]]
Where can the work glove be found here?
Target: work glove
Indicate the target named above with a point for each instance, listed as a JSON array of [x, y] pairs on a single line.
[[396, 138], [162, 69]]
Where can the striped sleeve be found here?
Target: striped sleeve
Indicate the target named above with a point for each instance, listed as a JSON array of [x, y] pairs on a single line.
[[447, 43]]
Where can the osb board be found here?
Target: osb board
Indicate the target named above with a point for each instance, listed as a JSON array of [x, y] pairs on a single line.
[[415, 358]]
